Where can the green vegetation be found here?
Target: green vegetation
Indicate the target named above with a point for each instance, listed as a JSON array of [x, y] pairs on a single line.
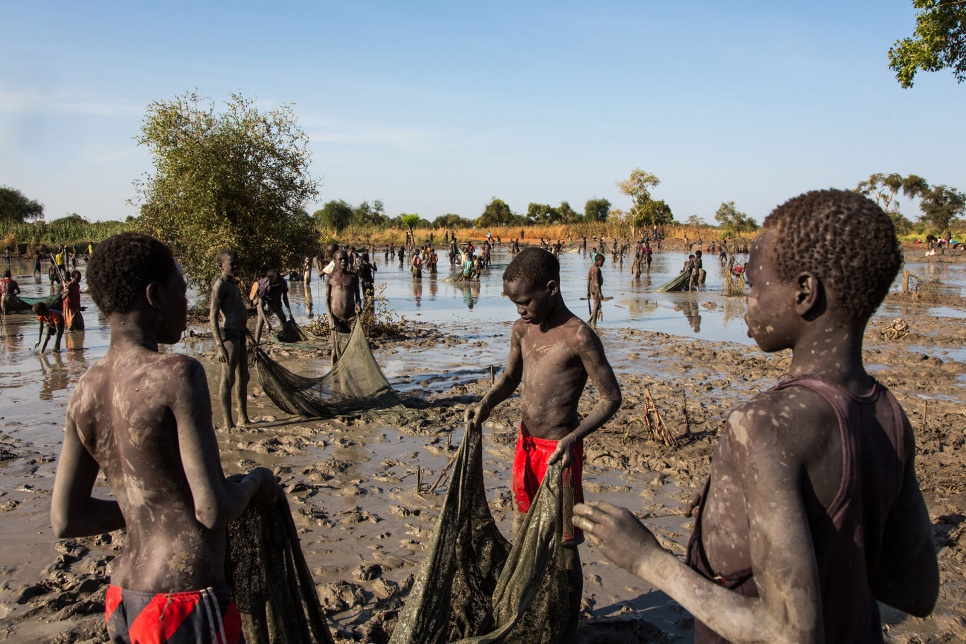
[[939, 42], [237, 179], [941, 206], [645, 210], [15, 207], [733, 220]]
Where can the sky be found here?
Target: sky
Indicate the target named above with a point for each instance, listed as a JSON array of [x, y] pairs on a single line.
[[437, 107]]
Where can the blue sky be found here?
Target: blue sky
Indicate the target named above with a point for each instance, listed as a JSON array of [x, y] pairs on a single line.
[[435, 107]]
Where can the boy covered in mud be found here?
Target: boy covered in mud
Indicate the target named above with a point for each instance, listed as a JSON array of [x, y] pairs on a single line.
[[812, 510], [232, 343], [272, 294], [144, 417], [342, 294], [552, 353], [595, 279]]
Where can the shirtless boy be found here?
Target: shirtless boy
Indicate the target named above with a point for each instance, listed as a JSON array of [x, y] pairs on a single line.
[[594, 281], [812, 511], [272, 293], [342, 294], [50, 321], [226, 299], [552, 353], [144, 417]]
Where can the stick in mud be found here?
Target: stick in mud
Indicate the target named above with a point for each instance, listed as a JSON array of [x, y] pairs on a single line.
[[441, 474]]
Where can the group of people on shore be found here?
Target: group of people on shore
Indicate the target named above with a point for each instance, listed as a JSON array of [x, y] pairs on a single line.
[[811, 514]]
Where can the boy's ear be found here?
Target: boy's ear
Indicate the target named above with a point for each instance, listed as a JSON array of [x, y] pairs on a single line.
[[553, 287], [153, 294], [809, 296]]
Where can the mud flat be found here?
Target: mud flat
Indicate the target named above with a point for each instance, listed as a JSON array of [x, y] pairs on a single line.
[[352, 485]]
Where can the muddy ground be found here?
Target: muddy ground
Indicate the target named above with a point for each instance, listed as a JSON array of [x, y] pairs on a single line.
[[364, 524]]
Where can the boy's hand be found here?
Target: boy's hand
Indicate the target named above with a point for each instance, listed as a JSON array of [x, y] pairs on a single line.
[[222, 354], [565, 447], [618, 534], [269, 491], [693, 508], [476, 415]]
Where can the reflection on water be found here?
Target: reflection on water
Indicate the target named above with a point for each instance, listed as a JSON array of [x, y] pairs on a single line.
[[54, 375]]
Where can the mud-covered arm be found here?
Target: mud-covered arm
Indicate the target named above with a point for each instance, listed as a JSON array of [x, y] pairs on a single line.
[[505, 384], [73, 511], [591, 352], [217, 500], [328, 295], [907, 576], [217, 294], [789, 607]]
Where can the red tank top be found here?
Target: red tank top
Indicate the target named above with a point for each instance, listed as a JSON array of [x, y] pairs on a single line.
[[848, 536]]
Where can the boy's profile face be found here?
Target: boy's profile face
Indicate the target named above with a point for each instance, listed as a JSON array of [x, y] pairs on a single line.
[[342, 260], [174, 313], [534, 303], [769, 311]]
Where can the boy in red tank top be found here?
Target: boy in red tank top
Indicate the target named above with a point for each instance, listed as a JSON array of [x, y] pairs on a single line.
[[812, 510]]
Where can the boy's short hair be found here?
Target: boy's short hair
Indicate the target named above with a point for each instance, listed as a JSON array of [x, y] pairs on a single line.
[[844, 239], [223, 254], [537, 265], [39, 308], [123, 267], [7, 273]]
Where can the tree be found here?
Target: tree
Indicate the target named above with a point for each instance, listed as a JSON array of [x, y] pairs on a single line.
[[335, 214], [733, 220], [237, 179], [410, 222], [542, 213], [567, 214], [450, 220], [596, 210], [694, 220], [15, 207], [940, 205], [645, 211], [939, 42], [496, 213]]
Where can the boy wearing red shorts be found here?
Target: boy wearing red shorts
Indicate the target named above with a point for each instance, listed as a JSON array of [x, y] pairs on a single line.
[[144, 417], [552, 353]]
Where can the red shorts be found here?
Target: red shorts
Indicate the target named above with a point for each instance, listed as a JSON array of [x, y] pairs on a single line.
[[206, 616], [529, 468]]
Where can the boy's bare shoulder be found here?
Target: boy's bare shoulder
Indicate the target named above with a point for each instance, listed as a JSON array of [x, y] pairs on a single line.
[[795, 418]]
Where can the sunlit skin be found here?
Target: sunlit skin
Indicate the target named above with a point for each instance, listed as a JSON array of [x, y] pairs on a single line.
[[144, 417], [343, 298], [232, 343], [595, 279], [552, 353], [756, 514]]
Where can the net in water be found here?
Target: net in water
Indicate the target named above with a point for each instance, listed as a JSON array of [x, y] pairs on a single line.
[[472, 587], [354, 386]]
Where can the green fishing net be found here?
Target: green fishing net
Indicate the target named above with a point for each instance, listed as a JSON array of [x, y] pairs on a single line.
[[472, 587], [270, 582], [354, 386]]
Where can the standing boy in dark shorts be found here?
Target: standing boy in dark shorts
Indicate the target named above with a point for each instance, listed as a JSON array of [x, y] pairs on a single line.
[[595, 279], [812, 511], [226, 299], [552, 353], [144, 417]]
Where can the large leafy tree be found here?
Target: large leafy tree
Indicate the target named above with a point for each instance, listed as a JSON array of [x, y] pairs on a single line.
[[234, 179], [335, 215], [16, 207], [596, 210], [938, 42], [496, 213], [885, 188], [940, 205], [733, 220], [451, 220], [645, 210]]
